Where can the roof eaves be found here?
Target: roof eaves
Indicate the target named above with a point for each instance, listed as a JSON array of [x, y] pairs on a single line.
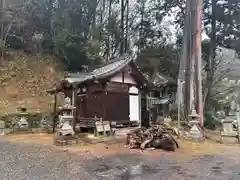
[[113, 70], [72, 80], [101, 72], [110, 68]]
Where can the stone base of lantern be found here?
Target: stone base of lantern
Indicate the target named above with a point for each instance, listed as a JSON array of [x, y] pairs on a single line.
[[2, 132], [195, 134]]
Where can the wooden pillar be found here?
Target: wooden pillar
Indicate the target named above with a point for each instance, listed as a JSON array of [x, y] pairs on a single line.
[[74, 96], [54, 111], [147, 108], [166, 91], [140, 109]]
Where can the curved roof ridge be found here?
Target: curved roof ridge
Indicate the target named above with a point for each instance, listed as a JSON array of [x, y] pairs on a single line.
[[101, 72], [112, 67]]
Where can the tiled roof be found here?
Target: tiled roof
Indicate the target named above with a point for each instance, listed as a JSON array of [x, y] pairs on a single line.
[[111, 68], [76, 77], [104, 71]]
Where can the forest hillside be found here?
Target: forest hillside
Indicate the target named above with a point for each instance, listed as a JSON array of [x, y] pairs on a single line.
[[24, 80], [92, 32]]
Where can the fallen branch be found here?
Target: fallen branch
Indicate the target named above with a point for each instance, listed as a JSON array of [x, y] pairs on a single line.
[[159, 136]]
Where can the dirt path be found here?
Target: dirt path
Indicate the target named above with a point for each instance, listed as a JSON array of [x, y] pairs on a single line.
[[187, 149], [34, 157]]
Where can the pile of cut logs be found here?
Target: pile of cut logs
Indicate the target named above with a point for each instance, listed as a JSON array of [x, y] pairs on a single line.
[[158, 136]]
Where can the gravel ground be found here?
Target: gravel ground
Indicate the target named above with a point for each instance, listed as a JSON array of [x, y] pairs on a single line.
[[35, 162]]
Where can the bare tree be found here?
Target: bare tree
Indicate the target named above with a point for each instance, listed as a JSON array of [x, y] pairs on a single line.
[[221, 70]]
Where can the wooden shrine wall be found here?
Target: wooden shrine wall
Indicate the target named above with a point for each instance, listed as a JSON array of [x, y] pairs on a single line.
[[117, 107], [112, 106], [107, 100]]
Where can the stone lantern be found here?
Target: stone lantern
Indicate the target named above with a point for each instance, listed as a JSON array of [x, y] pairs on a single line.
[[2, 126], [22, 122], [195, 133], [66, 118]]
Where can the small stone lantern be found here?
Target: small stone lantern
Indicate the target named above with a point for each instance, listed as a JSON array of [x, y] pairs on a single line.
[[23, 123], [2, 126]]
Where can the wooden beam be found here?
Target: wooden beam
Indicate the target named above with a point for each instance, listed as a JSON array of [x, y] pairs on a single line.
[[74, 97], [54, 112], [140, 109]]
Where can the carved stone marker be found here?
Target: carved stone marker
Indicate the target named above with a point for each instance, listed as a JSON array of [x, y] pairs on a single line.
[[78, 127], [46, 121], [167, 120], [99, 126], [2, 126], [106, 126], [43, 122], [103, 127]]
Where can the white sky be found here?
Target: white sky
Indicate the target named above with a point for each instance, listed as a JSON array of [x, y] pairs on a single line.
[[173, 28]]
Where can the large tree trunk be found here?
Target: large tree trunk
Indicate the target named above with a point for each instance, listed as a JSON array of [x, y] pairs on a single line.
[[2, 29], [122, 27], [126, 34], [109, 40], [211, 58], [102, 10]]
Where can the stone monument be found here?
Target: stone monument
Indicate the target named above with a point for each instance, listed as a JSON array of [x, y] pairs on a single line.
[[46, 121], [43, 122], [167, 120], [196, 133]]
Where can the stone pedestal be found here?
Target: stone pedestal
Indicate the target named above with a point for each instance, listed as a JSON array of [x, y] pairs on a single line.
[[66, 129], [195, 134]]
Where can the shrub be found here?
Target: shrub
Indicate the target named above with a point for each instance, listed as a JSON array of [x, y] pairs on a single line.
[[210, 121]]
